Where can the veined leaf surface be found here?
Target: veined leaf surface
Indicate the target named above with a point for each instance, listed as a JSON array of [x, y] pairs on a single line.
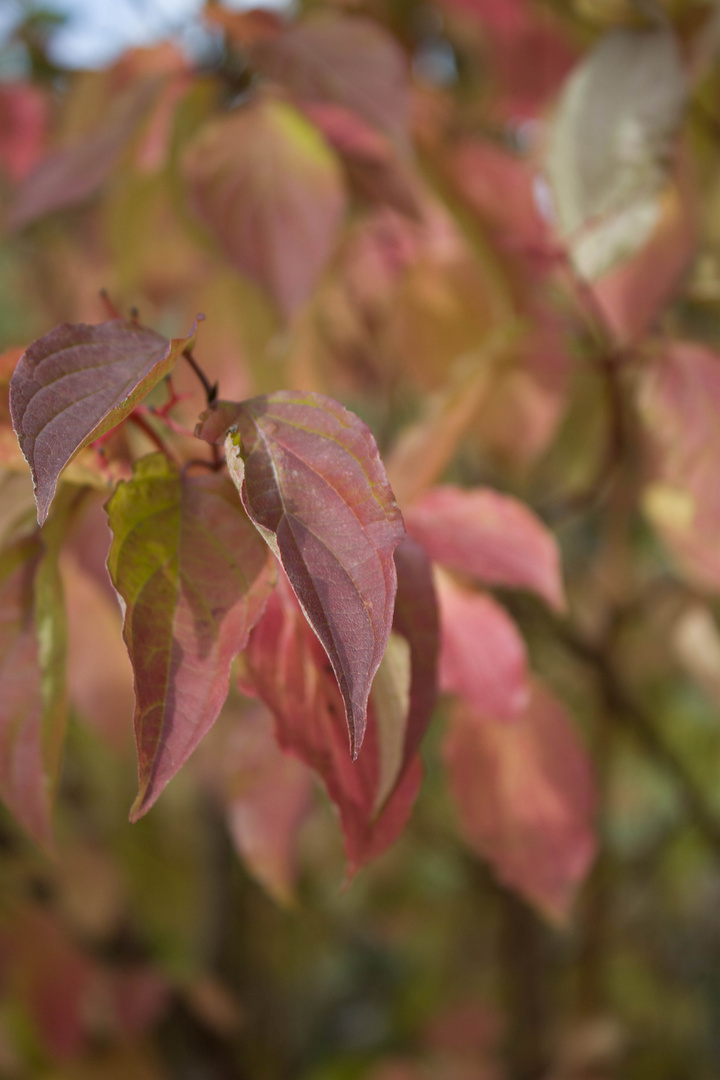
[[76, 383], [194, 576], [310, 477]]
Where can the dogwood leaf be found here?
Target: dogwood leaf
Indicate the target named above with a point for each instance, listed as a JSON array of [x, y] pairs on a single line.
[[194, 577], [310, 477]]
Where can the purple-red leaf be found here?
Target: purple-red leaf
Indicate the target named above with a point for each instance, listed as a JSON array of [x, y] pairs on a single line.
[[194, 577], [310, 477], [492, 537], [483, 657], [270, 189], [74, 173], [526, 797], [346, 60], [285, 666], [76, 383]]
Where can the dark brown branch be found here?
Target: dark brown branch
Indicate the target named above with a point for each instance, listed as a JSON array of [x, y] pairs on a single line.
[[211, 389]]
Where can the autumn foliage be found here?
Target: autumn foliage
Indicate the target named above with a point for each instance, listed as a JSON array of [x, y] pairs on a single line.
[[359, 442]]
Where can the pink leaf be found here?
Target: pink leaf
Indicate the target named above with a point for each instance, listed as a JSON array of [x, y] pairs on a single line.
[[285, 666], [345, 60], [76, 383], [483, 656], [270, 189], [71, 175], [194, 577], [23, 127], [526, 798], [490, 536], [311, 479]]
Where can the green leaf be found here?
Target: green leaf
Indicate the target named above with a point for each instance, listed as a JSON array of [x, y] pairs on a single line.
[[194, 577]]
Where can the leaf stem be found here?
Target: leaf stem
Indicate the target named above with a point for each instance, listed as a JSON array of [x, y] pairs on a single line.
[[211, 389], [140, 422], [110, 308]]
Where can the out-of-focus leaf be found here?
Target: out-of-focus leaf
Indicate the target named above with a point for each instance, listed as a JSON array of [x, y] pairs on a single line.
[[194, 577], [76, 383], [311, 479], [244, 28], [270, 189], [525, 792], [71, 175], [679, 399], [391, 701], [49, 975], [490, 536], [266, 794], [417, 619], [346, 60], [632, 295], [375, 169], [285, 666], [23, 127], [482, 656], [629, 92], [34, 702]]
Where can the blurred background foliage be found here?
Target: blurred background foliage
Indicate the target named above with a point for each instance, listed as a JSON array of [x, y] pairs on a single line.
[[443, 314]]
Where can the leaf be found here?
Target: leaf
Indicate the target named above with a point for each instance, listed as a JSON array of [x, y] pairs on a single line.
[[285, 666], [375, 170], [345, 60], [194, 578], [33, 707], [490, 536], [630, 92], [483, 656], [23, 127], [270, 189], [76, 383], [267, 795], [310, 477], [679, 399], [526, 797], [71, 175]]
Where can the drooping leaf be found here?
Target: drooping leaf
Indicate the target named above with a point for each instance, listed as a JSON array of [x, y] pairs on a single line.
[[346, 60], [310, 477], [417, 620], [270, 189], [483, 657], [375, 169], [33, 705], [72, 174], [194, 577], [285, 666], [525, 792], [76, 383], [630, 92], [490, 536], [266, 795]]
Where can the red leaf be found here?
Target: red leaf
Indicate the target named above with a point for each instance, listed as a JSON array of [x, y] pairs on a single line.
[[267, 184], [194, 577], [490, 536], [267, 795], [284, 665], [311, 479], [526, 797], [483, 656], [76, 383], [375, 170], [71, 175], [23, 126], [346, 60]]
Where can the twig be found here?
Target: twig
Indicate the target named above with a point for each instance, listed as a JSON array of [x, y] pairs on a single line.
[[211, 389], [141, 423], [110, 308]]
